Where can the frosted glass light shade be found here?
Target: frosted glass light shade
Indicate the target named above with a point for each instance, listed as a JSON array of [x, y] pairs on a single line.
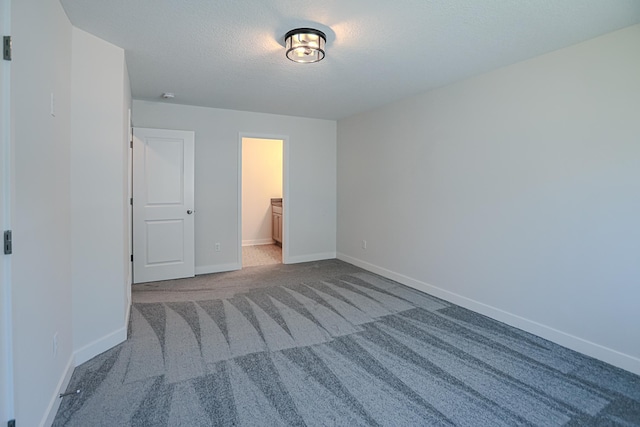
[[305, 45]]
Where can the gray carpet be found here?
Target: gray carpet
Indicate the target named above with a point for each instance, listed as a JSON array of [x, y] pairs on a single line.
[[328, 344]]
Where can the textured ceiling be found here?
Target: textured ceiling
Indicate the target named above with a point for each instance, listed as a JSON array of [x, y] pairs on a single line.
[[229, 53]]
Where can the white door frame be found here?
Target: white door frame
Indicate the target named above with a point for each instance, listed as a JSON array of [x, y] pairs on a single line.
[[6, 193], [130, 211], [285, 191]]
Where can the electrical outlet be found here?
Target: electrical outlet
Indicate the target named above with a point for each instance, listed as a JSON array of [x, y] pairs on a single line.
[[364, 244], [55, 345], [217, 247]]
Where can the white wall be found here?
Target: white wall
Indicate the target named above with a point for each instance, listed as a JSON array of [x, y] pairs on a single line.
[[99, 204], [41, 260], [515, 193], [311, 207], [261, 181], [68, 170]]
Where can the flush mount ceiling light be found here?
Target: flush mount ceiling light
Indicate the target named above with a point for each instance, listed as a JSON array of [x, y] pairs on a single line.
[[305, 45]]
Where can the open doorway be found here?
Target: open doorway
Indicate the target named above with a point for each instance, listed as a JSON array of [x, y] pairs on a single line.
[[262, 201]]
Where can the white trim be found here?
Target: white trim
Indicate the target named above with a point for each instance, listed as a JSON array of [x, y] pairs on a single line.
[[127, 315], [7, 399], [129, 148], [310, 257], [608, 355], [208, 269], [100, 345], [55, 401], [6, 339], [285, 201], [128, 307], [258, 242], [239, 220]]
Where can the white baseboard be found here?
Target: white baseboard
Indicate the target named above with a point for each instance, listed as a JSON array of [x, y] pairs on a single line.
[[308, 258], [54, 404], [258, 242], [100, 345], [208, 269], [126, 319], [608, 355]]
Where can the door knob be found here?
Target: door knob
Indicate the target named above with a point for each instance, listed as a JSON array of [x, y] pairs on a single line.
[[189, 212]]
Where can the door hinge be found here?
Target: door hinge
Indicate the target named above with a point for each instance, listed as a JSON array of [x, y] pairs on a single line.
[[11, 423], [131, 144], [6, 48], [131, 201], [8, 244], [131, 258]]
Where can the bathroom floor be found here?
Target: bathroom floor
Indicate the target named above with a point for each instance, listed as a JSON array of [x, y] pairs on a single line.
[[261, 255]]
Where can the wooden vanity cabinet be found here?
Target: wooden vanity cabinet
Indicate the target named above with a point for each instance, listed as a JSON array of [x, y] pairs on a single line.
[[276, 223]]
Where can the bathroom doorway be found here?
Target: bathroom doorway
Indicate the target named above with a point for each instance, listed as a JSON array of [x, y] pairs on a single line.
[[262, 189]]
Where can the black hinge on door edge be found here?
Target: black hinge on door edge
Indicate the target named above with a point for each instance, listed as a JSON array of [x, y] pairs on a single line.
[[131, 258], [8, 244], [131, 201], [6, 48], [11, 423]]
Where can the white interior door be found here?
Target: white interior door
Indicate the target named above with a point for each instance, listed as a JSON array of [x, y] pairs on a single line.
[[163, 204]]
